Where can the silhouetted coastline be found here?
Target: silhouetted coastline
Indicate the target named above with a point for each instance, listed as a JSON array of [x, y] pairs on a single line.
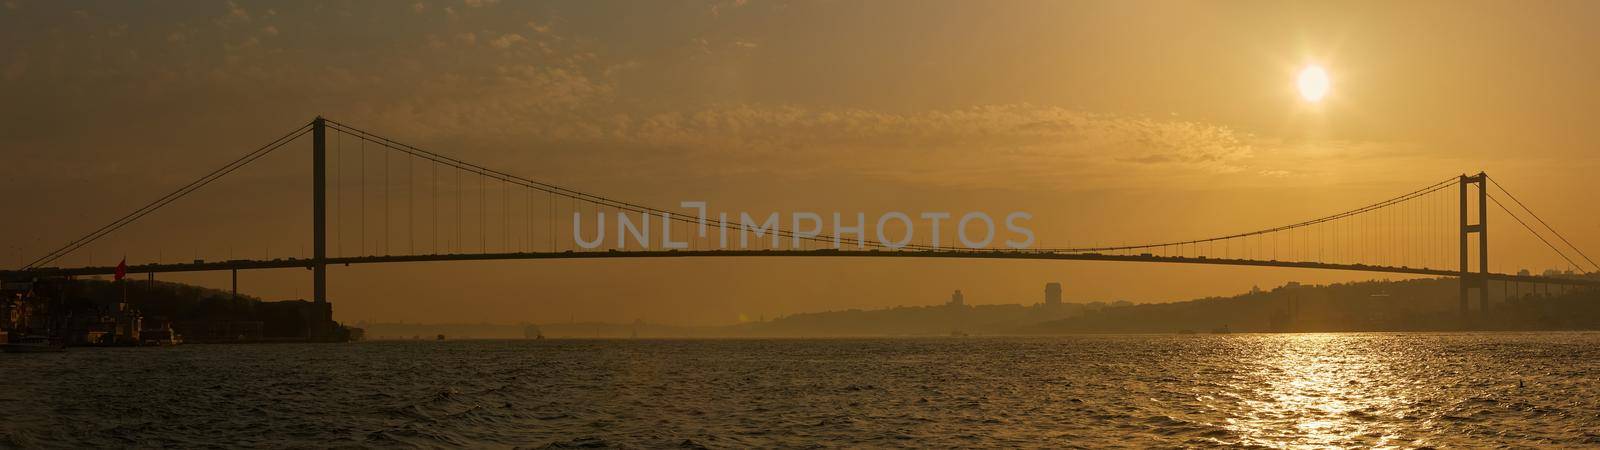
[[1407, 305], [93, 312]]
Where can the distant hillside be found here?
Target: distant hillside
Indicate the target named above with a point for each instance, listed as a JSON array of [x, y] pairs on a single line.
[[915, 320], [1411, 305], [388, 331], [172, 301], [939, 320]]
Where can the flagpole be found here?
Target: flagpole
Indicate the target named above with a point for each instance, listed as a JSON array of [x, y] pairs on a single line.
[[121, 273]]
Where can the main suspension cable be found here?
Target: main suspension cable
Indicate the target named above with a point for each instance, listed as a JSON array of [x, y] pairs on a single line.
[[170, 197], [1542, 222], [1530, 230], [1408, 196]]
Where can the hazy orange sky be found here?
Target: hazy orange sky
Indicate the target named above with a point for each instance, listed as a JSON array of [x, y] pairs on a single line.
[[1112, 122]]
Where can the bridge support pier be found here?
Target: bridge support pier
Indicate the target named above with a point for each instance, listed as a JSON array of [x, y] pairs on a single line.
[[1480, 280], [319, 211]]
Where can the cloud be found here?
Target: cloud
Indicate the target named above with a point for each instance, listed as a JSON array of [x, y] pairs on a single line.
[[418, 7], [999, 146], [527, 100], [235, 13], [717, 8], [507, 40], [432, 41], [989, 145], [706, 46], [242, 45], [552, 90]]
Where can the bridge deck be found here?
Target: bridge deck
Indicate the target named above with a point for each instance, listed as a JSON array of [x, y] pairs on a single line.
[[203, 266]]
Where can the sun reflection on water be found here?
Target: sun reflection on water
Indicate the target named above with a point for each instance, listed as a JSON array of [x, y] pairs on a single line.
[[1318, 390]]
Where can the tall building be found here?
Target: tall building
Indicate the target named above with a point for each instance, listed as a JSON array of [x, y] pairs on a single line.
[[956, 299], [1052, 294]]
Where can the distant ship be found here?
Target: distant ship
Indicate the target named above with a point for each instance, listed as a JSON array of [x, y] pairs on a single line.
[[162, 337], [439, 338], [532, 332]]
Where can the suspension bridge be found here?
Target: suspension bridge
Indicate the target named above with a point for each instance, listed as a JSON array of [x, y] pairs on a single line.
[[1431, 231]]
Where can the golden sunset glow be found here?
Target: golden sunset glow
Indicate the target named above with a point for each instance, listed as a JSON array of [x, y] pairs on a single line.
[[1340, 224], [1109, 124]]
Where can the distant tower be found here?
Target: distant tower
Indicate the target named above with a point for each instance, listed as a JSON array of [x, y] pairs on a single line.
[[1052, 294], [956, 299]]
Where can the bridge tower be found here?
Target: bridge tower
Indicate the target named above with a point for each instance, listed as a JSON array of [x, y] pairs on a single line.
[[1480, 280], [319, 211]]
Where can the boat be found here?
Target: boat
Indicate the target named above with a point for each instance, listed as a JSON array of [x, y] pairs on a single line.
[[35, 344], [162, 338]]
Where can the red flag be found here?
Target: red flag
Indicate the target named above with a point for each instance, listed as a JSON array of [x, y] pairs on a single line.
[[122, 269]]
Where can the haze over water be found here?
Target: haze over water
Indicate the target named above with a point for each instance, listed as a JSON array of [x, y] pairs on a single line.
[[1294, 390]]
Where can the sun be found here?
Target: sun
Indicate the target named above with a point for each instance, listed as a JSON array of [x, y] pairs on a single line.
[[1313, 83]]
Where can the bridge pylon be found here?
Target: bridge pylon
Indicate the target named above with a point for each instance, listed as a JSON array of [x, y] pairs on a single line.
[[319, 211], [1479, 280]]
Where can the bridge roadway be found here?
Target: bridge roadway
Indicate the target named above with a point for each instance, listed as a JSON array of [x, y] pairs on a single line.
[[203, 266]]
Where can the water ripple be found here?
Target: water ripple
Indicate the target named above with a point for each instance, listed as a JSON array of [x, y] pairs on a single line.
[[1267, 391]]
